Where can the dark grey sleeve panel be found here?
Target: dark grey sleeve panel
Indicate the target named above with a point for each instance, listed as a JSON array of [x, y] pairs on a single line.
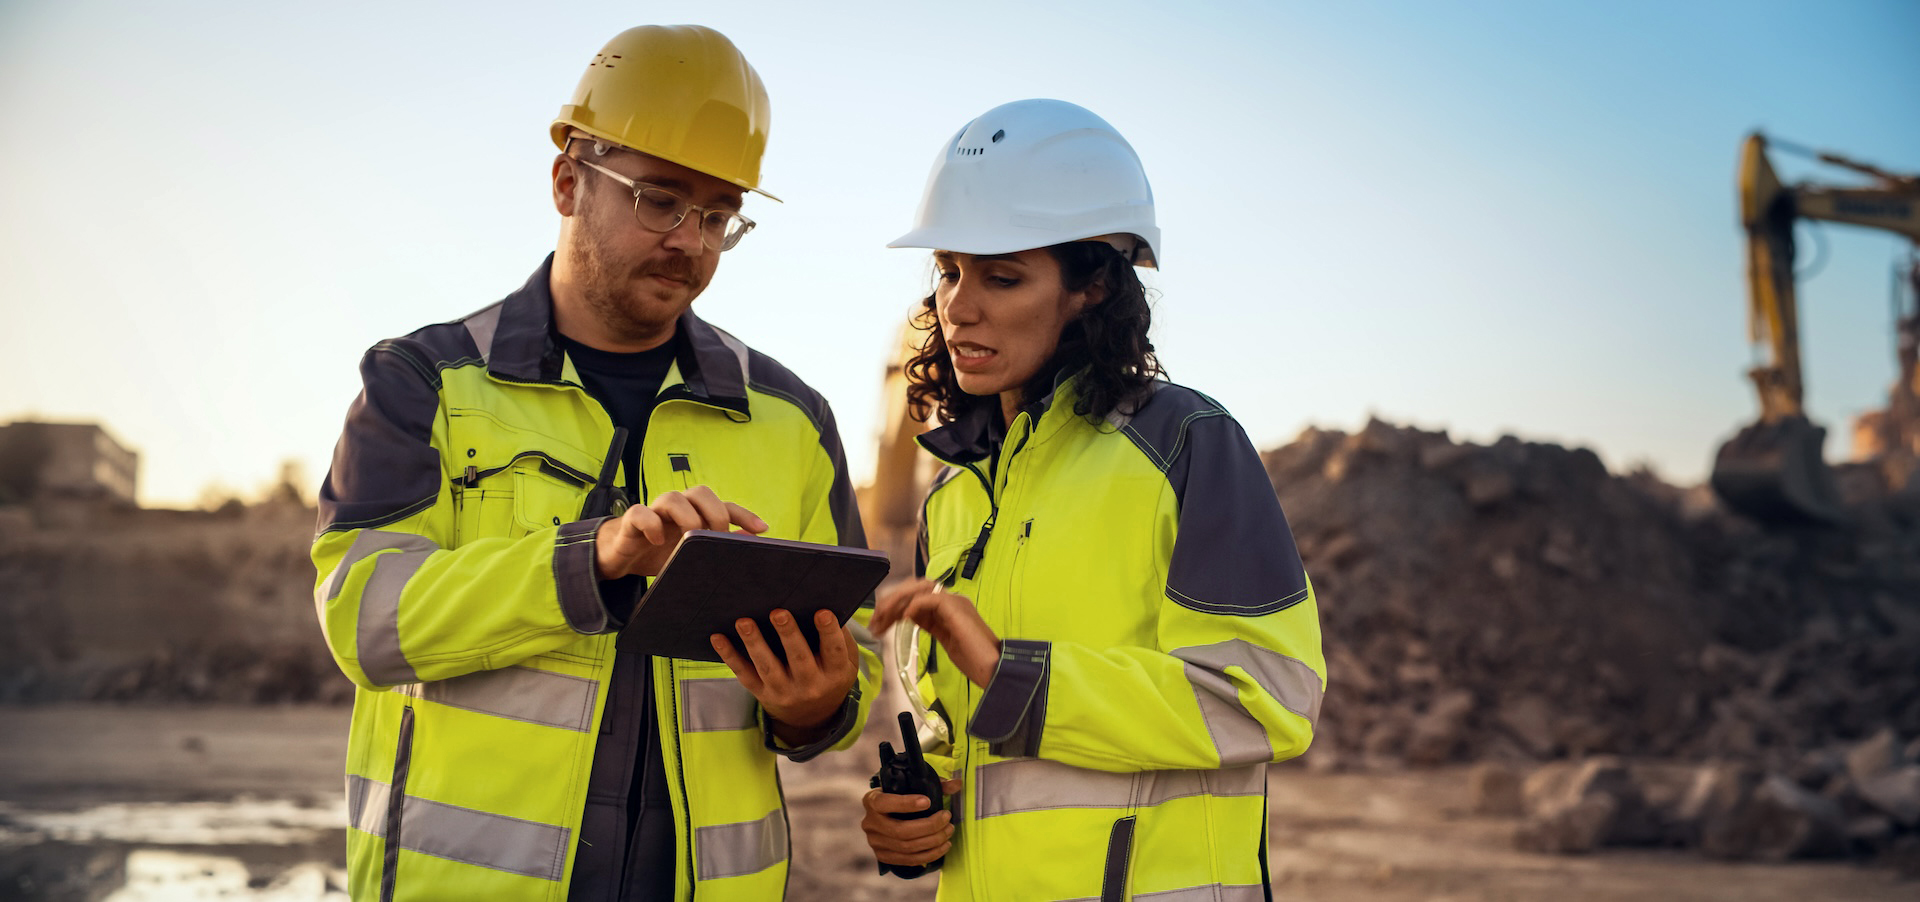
[[1013, 710], [840, 498], [385, 467], [769, 376], [577, 581], [1233, 553], [849, 712]]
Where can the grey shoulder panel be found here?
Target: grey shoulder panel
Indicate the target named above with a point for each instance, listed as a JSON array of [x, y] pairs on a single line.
[[384, 466], [1159, 425], [1233, 553]]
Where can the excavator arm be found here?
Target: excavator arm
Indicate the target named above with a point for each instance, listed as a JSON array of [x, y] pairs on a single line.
[[1773, 470]]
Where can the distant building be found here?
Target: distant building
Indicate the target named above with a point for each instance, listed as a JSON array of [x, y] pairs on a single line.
[[65, 461]]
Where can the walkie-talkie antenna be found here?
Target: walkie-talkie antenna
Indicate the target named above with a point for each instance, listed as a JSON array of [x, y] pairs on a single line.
[[910, 742]]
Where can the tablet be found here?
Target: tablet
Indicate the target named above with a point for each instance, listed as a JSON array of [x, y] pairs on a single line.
[[714, 578]]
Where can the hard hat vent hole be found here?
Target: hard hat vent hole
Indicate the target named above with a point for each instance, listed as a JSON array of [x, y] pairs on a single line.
[[998, 135]]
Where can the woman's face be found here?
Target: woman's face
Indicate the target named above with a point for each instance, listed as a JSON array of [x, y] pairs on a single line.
[[1001, 315]]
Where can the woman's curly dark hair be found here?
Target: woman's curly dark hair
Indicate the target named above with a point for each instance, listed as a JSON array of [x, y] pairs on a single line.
[[1109, 339]]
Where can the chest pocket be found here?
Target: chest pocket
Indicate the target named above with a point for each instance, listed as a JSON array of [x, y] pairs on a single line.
[[530, 492], [945, 559]]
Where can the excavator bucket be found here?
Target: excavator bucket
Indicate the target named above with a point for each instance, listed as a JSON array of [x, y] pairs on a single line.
[[1775, 473]]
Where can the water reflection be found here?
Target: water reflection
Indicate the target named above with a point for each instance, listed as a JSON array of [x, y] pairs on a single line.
[[245, 849], [161, 875]]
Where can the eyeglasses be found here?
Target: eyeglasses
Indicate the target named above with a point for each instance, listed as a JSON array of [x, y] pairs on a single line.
[[662, 211]]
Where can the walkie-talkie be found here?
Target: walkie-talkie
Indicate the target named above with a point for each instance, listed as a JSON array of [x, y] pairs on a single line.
[[909, 774]]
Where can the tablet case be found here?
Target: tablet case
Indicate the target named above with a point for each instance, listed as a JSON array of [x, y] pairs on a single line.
[[714, 578]]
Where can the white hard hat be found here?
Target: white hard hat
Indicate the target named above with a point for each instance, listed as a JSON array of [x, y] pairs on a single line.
[[1035, 173]]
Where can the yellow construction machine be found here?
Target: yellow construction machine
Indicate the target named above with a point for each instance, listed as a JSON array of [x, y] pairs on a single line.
[[1773, 470]]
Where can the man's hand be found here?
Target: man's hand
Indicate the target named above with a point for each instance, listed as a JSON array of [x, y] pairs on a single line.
[[913, 842], [951, 620], [802, 695], [640, 540]]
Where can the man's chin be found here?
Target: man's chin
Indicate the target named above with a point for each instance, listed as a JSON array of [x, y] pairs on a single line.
[[654, 308]]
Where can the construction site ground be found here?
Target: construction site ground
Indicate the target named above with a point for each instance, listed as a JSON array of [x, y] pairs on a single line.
[[81, 783]]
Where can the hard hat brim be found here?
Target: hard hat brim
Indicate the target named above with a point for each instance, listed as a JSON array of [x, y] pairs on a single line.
[[561, 127], [964, 241]]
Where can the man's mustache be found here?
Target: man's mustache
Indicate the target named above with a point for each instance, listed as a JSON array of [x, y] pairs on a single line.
[[680, 268]]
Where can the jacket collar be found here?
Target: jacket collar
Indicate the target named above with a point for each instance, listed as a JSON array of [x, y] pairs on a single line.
[[712, 363], [977, 434]]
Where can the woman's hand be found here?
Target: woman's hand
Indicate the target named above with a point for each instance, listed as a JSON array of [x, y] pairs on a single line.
[[640, 540], [951, 620], [913, 842]]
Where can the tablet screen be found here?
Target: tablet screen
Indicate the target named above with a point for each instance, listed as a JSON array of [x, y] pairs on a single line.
[[715, 578]]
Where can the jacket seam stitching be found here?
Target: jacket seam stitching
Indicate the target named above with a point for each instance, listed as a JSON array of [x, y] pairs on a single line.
[[790, 399], [370, 522], [1221, 607]]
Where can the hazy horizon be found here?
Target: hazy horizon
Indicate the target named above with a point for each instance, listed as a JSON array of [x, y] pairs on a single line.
[[1489, 217]]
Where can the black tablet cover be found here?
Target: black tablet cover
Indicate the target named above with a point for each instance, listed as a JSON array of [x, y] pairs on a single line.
[[714, 578]]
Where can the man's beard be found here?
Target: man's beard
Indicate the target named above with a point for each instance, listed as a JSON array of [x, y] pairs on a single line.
[[617, 294]]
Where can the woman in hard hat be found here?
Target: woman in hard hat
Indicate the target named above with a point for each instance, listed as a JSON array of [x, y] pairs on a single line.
[[1116, 635]]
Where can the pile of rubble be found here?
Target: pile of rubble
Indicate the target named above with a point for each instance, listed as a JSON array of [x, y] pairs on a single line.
[[1864, 802], [1517, 603], [164, 606]]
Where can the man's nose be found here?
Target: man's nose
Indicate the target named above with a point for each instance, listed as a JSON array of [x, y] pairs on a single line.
[[686, 236]]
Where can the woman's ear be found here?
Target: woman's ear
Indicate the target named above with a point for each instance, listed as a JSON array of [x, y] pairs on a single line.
[[1089, 297]]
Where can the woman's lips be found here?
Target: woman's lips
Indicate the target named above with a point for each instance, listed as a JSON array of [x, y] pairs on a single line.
[[969, 357]]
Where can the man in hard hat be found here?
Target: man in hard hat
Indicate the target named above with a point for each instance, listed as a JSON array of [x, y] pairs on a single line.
[[476, 553]]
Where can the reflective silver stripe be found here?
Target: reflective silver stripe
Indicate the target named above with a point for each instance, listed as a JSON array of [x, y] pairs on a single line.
[[868, 642], [366, 543], [1034, 784], [731, 850], [714, 705], [739, 350], [1212, 892], [520, 693], [377, 632], [462, 834], [377, 635], [1289, 680], [1237, 737], [366, 805], [481, 326]]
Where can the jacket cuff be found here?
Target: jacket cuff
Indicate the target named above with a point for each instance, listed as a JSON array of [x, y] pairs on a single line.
[[842, 725], [1013, 710], [576, 581]]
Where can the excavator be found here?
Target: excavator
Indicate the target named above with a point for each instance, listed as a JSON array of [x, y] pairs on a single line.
[[1773, 471]]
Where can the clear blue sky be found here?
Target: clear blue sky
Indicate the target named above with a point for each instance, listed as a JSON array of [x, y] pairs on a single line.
[[1484, 216]]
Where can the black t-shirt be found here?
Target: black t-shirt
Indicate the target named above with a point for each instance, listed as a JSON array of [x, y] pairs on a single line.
[[626, 384]]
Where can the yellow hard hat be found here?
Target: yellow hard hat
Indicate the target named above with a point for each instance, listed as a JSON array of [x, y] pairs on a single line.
[[682, 93]]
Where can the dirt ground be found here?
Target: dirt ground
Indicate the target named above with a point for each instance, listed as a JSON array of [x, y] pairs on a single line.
[[1375, 837]]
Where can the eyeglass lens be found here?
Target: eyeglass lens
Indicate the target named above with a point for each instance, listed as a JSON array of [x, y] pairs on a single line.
[[661, 211]]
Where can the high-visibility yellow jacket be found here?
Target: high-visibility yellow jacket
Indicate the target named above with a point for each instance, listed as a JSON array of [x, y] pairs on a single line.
[[456, 587], [1160, 646]]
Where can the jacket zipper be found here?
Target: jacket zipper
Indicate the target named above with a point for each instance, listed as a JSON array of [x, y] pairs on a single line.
[[685, 819], [1014, 623], [396, 805], [548, 463], [970, 562], [1113, 879]]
